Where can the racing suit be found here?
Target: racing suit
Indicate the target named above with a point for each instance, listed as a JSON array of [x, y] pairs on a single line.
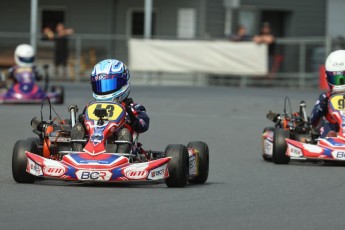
[[320, 118], [136, 117], [23, 81], [12, 74]]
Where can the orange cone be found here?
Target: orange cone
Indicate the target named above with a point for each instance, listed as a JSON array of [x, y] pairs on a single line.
[[322, 78]]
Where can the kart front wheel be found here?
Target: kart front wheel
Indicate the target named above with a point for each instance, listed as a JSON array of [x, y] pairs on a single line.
[[279, 146], [19, 161], [177, 166], [203, 160]]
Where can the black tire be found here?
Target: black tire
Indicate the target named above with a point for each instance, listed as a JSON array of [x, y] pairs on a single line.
[[203, 166], [265, 157], [37, 141], [177, 166], [279, 146], [61, 91], [19, 161]]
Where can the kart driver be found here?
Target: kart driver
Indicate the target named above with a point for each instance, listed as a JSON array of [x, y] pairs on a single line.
[[24, 57], [335, 74], [110, 80]]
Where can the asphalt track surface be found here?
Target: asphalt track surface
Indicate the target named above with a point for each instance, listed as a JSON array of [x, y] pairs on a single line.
[[242, 192]]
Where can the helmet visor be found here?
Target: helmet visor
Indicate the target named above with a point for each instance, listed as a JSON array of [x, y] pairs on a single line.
[[105, 84], [336, 78], [27, 60]]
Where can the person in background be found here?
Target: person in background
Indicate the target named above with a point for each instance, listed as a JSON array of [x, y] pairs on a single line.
[[24, 57], [241, 35], [47, 34], [266, 37], [61, 46]]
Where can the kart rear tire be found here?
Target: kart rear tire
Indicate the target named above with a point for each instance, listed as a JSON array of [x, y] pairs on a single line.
[[19, 161], [265, 157], [203, 166], [61, 91], [177, 166], [279, 146]]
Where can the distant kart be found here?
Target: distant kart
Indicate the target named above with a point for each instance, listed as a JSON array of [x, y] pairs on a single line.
[[55, 154], [26, 91], [293, 138]]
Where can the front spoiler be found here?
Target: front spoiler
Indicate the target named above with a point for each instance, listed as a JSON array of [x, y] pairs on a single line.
[[102, 168], [332, 149]]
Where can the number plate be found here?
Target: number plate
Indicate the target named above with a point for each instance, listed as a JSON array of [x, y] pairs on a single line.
[[114, 111], [338, 102]]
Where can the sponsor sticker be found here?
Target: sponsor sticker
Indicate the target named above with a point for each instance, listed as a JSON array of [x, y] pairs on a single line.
[[268, 147], [338, 64], [136, 174], [34, 168], [193, 169], [340, 155], [294, 151], [54, 170], [93, 175], [157, 173]]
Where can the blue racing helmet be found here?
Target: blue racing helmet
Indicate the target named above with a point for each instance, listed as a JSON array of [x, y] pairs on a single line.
[[110, 80]]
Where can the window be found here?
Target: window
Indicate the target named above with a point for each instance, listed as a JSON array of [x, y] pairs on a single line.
[[50, 18], [138, 19], [186, 23], [249, 19]]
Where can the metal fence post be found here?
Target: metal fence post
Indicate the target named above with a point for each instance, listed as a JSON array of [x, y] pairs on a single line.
[[77, 57], [302, 61], [243, 81], [328, 46], [33, 24]]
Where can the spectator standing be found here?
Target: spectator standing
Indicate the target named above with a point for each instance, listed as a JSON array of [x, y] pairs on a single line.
[[60, 38], [61, 47], [241, 35], [266, 37]]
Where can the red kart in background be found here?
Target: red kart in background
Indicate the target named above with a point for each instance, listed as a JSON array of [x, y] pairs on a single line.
[[53, 154], [293, 138]]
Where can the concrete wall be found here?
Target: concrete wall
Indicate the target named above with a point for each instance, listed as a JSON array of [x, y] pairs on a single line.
[[215, 17], [335, 18], [15, 16], [166, 19], [166, 12]]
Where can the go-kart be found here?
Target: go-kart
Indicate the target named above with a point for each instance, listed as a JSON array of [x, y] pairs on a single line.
[[26, 91], [293, 138], [56, 153]]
